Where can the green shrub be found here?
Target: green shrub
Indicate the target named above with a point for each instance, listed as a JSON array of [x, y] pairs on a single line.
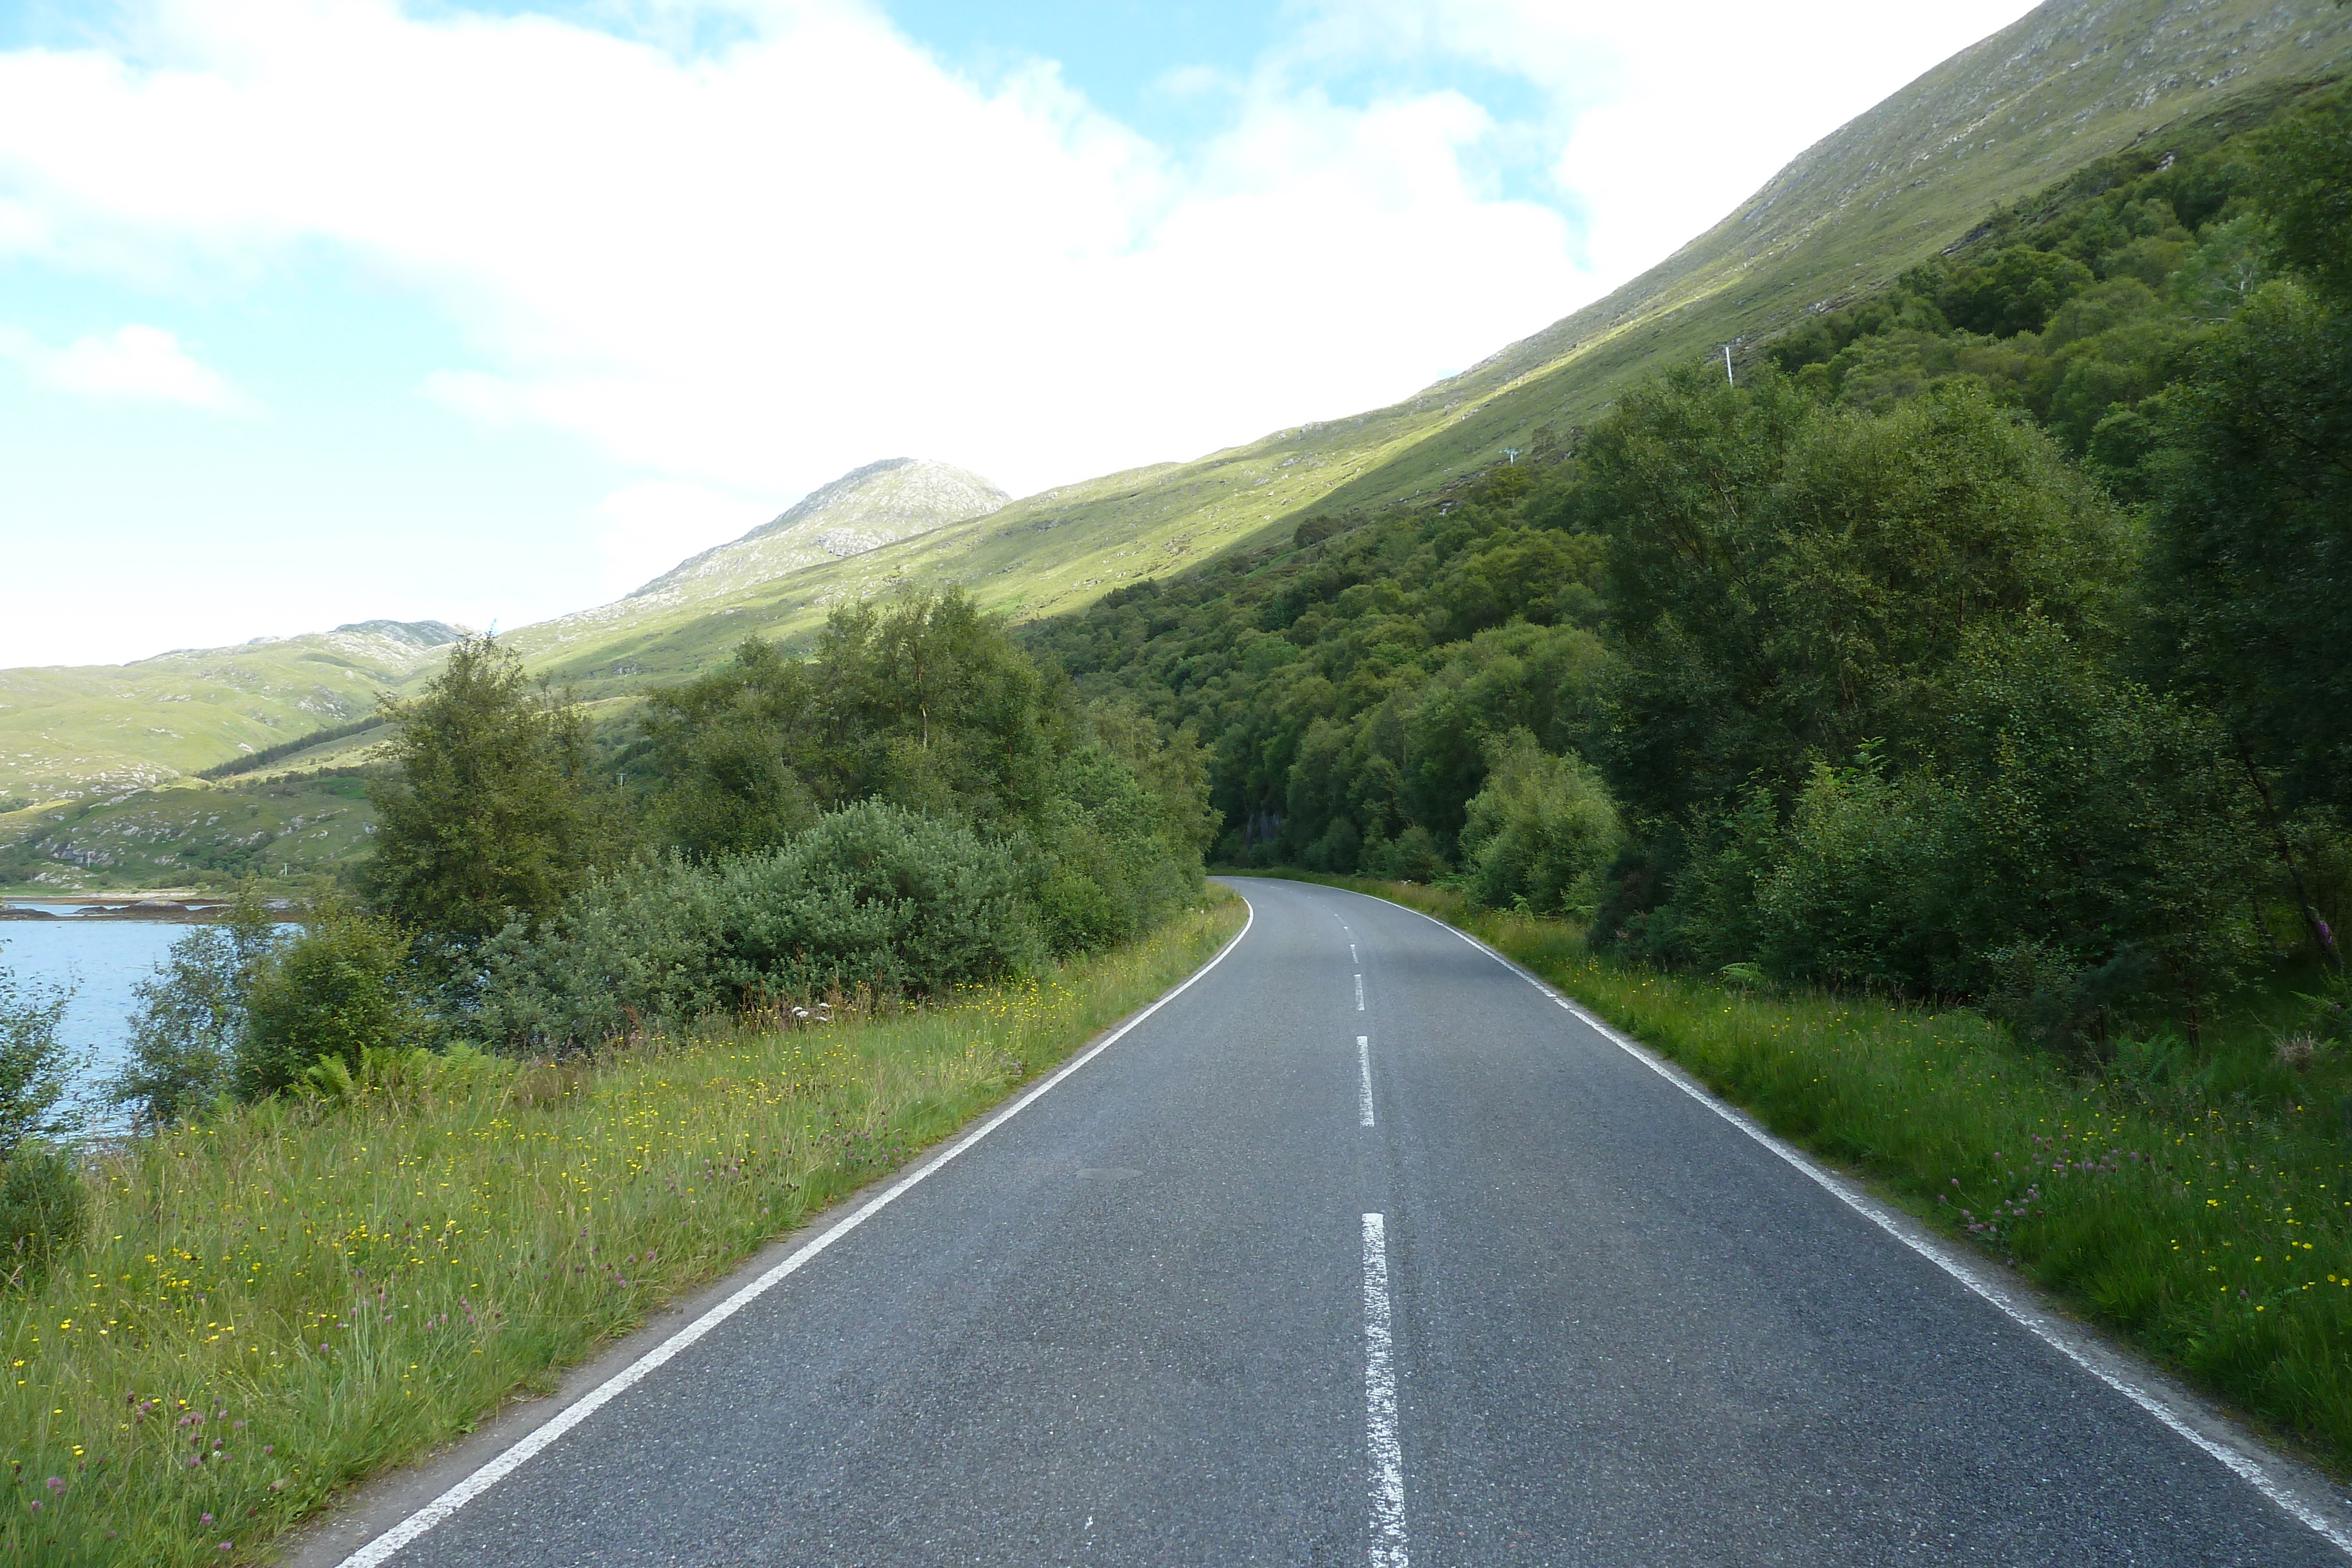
[[1848, 900], [192, 1018], [1411, 856], [340, 989], [1107, 864], [2082, 846], [1538, 836], [401, 1075], [872, 897], [41, 1210], [32, 1066], [1713, 921]]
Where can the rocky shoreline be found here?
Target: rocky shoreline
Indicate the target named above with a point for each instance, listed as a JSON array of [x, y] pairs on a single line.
[[193, 911]]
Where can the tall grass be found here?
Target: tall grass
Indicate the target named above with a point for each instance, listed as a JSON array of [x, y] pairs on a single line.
[[274, 1305], [2213, 1231]]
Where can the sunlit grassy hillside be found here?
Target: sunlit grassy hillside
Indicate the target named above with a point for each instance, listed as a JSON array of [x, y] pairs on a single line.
[[187, 834], [105, 730]]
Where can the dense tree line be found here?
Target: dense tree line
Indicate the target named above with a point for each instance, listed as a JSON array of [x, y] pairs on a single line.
[[915, 805], [1984, 642]]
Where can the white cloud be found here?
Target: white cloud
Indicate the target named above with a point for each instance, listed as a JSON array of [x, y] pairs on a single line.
[[1661, 118], [758, 268], [746, 270], [133, 361]]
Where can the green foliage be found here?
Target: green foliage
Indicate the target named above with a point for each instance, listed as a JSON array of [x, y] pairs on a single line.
[[2301, 176], [33, 1066], [915, 807], [1790, 581], [342, 989], [2017, 291], [1849, 889], [1863, 680], [2250, 596], [873, 897], [2101, 819], [399, 1075], [41, 1211], [723, 743], [1541, 831], [2079, 843], [1346, 690], [40, 1186], [192, 1017], [923, 702], [494, 814], [1112, 858]]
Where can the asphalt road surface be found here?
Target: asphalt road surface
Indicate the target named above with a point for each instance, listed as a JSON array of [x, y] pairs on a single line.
[[1363, 1250]]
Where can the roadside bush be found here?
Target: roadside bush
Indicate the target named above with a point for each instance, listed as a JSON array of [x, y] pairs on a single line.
[[41, 1210], [873, 897], [1105, 865], [1540, 833], [192, 1018], [1411, 856], [1340, 849], [32, 1066], [1851, 899], [338, 991], [2079, 848], [2103, 822], [1714, 922]]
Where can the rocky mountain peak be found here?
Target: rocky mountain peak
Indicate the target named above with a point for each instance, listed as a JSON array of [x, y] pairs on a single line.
[[866, 508]]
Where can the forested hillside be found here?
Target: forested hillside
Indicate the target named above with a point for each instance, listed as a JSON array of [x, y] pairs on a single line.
[[1980, 643]]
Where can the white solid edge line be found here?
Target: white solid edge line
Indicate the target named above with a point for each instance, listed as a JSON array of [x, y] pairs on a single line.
[[2242, 1465], [382, 1548], [1386, 1452], [1364, 1079]]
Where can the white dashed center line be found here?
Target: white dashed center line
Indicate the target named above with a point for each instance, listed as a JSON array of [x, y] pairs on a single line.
[[1381, 1404]]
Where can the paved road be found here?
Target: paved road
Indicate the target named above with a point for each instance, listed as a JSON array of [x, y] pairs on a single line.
[[1483, 1290]]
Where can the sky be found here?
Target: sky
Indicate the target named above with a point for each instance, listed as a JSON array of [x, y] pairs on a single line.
[[314, 311]]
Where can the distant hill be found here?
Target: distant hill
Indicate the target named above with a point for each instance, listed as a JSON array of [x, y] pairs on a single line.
[[881, 504], [102, 730]]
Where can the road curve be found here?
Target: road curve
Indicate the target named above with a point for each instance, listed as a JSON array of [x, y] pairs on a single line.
[[1362, 1250]]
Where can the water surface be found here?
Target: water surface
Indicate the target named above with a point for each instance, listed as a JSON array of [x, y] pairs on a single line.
[[101, 960]]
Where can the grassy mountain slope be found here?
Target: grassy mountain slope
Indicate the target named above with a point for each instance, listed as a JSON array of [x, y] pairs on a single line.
[[105, 729], [2070, 83], [187, 834]]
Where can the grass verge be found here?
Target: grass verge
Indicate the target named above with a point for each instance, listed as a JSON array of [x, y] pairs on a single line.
[[298, 1295], [2214, 1234]]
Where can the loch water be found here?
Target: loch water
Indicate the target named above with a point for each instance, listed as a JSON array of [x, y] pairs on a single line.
[[99, 961]]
